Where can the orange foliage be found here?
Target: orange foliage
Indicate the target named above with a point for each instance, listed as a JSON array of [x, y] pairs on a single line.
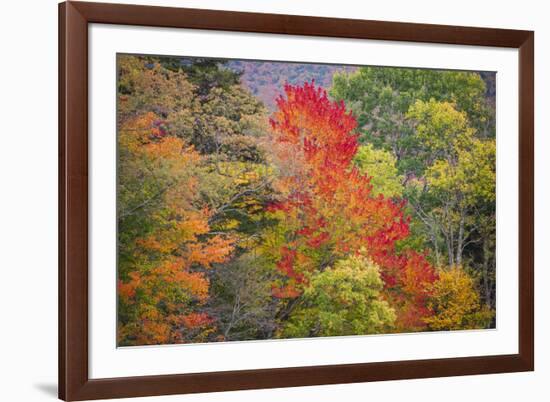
[[329, 201], [128, 290], [178, 243], [195, 320]]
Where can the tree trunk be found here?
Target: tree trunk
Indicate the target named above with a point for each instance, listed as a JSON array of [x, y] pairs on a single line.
[[485, 271], [450, 251], [460, 240], [450, 242], [433, 236]]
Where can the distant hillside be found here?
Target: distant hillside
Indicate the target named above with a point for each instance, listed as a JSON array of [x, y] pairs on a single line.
[[266, 80]]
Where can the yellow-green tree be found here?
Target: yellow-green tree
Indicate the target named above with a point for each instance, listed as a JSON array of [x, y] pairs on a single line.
[[459, 182], [342, 300], [381, 97], [381, 166], [455, 302]]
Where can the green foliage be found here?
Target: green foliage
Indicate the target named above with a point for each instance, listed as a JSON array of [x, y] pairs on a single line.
[[343, 300], [380, 165], [186, 202], [381, 98], [440, 128], [199, 103], [243, 303], [315, 222], [205, 73], [472, 175], [227, 124], [459, 179]]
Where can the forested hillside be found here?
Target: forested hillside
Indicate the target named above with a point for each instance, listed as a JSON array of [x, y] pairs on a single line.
[[272, 200], [266, 80]]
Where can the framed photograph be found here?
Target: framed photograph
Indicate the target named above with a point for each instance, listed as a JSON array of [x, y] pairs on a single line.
[[260, 200]]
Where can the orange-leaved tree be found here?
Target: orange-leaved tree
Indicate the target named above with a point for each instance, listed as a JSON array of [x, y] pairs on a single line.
[[327, 210], [165, 244]]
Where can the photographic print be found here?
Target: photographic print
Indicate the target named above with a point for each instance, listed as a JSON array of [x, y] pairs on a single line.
[[262, 200]]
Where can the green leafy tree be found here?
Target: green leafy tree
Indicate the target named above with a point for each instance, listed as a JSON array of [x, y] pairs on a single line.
[[380, 166], [244, 306], [459, 180], [381, 97], [342, 300]]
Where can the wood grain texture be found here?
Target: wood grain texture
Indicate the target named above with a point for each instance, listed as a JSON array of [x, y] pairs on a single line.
[[526, 201], [74, 17], [298, 25], [73, 203]]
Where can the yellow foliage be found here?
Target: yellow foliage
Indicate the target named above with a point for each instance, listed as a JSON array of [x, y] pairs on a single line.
[[456, 304]]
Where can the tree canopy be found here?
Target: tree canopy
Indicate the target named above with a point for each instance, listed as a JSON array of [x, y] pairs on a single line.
[[363, 208]]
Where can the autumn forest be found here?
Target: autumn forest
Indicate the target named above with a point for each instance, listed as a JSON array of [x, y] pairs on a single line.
[[264, 200]]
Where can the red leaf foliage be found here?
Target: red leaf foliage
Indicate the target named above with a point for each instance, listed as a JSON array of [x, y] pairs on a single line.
[[329, 205]]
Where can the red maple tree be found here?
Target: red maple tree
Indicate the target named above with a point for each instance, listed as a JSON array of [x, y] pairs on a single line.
[[328, 206]]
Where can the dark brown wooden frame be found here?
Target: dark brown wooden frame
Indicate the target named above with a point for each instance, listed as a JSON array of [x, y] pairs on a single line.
[[74, 18]]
